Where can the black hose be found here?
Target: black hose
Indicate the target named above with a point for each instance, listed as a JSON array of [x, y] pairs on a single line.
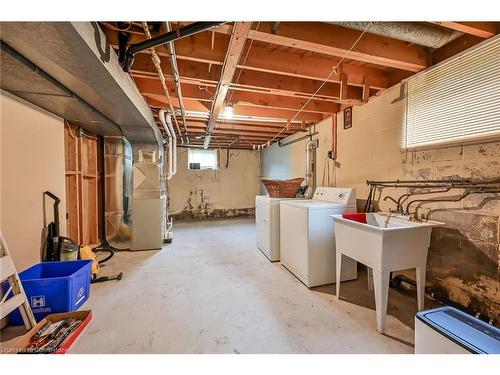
[[104, 248]]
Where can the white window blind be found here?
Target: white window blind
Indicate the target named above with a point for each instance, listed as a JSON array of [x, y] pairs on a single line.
[[206, 158], [457, 101]]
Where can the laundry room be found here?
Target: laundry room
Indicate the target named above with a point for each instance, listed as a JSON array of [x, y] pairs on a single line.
[[257, 186]]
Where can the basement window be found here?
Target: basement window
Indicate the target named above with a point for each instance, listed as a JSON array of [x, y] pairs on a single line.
[[455, 102], [202, 159]]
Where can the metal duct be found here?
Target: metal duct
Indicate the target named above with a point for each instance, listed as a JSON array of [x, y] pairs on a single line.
[[78, 56], [118, 192], [421, 33], [27, 81], [71, 70]]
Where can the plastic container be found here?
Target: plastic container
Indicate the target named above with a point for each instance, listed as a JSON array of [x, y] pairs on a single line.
[[446, 330], [55, 287], [69, 251]]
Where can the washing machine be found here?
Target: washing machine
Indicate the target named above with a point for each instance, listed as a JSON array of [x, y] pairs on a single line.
[[307, 245], [267, 225]]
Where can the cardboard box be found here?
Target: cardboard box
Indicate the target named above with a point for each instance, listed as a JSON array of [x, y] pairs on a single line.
[[84, 315]]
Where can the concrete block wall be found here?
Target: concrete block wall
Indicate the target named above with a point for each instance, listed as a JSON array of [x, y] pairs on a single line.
[[463, 260]]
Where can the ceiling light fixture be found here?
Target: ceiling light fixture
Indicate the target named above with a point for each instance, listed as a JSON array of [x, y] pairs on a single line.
[[228, 111]]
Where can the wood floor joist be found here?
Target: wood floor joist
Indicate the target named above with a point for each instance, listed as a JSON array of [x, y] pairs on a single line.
[[239, 34], [269, 75], [336, 41], [480, 29]]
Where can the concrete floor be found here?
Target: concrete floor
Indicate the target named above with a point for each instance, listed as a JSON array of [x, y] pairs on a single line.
[[213, 291]]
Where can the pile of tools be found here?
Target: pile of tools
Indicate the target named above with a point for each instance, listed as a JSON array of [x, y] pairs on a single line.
[[50, 336]]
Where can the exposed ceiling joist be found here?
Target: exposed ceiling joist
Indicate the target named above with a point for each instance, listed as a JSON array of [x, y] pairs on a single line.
[[280, 71], [480, 29], [262, 83], [336, 41], [236, 44], [198, 49]]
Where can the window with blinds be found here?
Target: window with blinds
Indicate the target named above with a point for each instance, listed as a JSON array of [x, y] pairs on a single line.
[[202, 159], [457, 101]]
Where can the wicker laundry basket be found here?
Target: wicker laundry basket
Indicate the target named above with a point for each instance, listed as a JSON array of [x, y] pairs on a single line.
[[282, 188]]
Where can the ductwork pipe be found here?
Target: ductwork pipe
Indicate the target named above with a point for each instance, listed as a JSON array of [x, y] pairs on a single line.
[[172, 142], [420, 33]]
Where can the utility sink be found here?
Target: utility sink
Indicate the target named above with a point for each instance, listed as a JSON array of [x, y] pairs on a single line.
[[384, 243]]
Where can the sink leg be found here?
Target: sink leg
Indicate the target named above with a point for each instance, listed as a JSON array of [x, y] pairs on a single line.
[[420, 271], [381, 286], [370, 278], [338, 271]]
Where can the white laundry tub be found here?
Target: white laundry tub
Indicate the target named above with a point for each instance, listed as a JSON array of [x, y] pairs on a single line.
[[384, 243]]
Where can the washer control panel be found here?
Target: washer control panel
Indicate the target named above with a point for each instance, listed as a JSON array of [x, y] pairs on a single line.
[[336, 195]]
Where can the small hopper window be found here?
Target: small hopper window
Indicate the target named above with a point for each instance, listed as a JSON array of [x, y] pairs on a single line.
[[202, 159]]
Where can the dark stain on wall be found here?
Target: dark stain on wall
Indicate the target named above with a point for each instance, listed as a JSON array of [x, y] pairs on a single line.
[[463, 260], [193, 215], [199, 207]]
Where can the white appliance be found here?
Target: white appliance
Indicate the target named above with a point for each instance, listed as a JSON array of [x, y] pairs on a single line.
[[446, 330], [267, 225], [307, 245]]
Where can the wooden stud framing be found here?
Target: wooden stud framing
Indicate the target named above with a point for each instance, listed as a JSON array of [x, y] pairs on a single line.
[[82, 185]]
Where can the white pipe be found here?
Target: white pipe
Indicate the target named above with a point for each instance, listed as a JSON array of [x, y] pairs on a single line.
[[174, 149], [310, 176], [163, 113]]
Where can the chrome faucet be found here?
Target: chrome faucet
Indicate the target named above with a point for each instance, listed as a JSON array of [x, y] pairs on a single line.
[[389, 215]]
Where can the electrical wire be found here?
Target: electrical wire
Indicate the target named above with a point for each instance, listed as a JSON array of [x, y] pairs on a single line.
[[334, 70]]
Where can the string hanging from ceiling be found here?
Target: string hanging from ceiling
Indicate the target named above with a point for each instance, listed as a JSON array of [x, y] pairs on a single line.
[[333, 71]]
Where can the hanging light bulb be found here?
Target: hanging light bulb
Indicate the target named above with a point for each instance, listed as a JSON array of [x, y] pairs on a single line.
[[228, 111]]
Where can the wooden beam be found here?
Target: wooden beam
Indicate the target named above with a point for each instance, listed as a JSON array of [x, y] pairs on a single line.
[[366, 91], [152, 88], [480, 29], [456, 46], [260, 82], [336, 40], [239, 128], [281, 102], [276, 113], [343, 86], [197, 48], [234, 50]]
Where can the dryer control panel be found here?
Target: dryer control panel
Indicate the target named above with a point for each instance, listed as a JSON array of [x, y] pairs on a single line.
[[345, 196]]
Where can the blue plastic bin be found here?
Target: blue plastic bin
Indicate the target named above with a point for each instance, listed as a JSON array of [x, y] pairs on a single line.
[[55, 287]]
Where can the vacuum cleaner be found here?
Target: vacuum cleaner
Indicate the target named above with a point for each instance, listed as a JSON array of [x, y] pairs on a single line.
[[54, 246]]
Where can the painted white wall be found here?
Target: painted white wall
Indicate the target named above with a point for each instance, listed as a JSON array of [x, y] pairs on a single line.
[[32, 161]]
